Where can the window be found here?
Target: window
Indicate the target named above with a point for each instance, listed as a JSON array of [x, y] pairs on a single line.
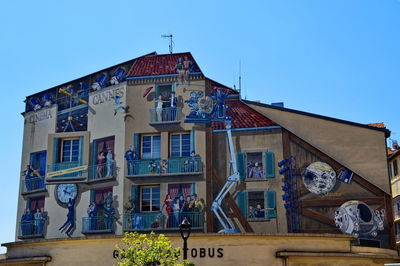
[[70, 150], [150, 199], [390, 170], [395, 170], [103, 158], [180, 145], [257, 205], [99, 197], [151, 147], [256, 165], [38, 162]]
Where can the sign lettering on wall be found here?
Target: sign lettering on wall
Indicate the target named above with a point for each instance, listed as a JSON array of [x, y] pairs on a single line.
[[107, 96], [194, 252], [39, 116], [67, 171]]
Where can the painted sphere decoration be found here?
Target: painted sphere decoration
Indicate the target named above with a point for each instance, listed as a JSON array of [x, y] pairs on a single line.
[[65, 192], [319, 178]]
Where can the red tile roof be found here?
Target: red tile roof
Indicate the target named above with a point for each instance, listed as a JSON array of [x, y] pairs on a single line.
[[243, 116], [154, 65], [377, 125]]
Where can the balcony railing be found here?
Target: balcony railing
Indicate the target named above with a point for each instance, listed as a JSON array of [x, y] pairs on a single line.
[[33, 184], [31, 229], [66, 170], [97, 225], [98, 172], [171, 166], [153, 221], [165, 115]]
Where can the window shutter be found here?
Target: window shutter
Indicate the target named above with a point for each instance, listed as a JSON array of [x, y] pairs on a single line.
[[270, 198], [80, 154], [192, 141], [136, 143], [193, 187], [241, 164], [92, 196], [56, 145], [269, 164], [94, 153], [242, 202], [135, 198], [33, 160]]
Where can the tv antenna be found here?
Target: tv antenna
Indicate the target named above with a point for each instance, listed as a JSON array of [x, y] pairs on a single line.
[[171, 42]]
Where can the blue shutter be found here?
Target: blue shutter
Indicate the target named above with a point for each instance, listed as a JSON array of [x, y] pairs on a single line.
[[242, 202], [33, 160], [192, 140], [241, 164], [94, 152], [92, 196], [56, 143], [269, 164], [135, 198], [270, 198], [136, 143], [193, 187], [80, 153], [42, 162]]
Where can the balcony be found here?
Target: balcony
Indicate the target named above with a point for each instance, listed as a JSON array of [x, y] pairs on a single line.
[[165, 167], [97, 225], [165, 116], [102, 172], [33, 185], [69, 171], [158, 221], [32, 229]]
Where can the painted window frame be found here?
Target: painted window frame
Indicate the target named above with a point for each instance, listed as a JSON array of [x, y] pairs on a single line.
[[395, 168], [180, 144], [157, 91], [268, 216], [151, 198], [61, 155], [142, 136]]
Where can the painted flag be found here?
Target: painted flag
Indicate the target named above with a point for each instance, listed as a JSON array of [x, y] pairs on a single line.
[[345, 176], [147, 91]]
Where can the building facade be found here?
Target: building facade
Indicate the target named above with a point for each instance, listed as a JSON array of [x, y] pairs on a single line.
[[393, 161], [144, 144]]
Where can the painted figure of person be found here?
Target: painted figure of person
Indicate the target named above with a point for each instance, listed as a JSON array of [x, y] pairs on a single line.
[[176, 210], [168, 209], [172, 105], [219, 97], [92, 213], [70, 223], [180, 70], [131, 156], [26, 223], [38, 222], [109, 162], [109, 211], [129, 206], [186, 69], [159, 109], [164, 167], [256, 171], [193, 163], [28, 177], [259, 212], [101, 159]]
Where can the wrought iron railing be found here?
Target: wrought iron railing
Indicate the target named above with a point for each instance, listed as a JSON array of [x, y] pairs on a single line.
[[32, 184], [64, 166], [32, 229], [163, 115], [102, 171], [179, 165], [97, 224], [161, 221]]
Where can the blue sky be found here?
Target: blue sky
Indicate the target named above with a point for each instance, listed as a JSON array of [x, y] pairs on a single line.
[[337, 58]]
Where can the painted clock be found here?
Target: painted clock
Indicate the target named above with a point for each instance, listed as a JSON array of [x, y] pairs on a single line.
[[65, 192]]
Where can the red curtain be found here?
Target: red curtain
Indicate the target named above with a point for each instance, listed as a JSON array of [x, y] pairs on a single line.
[[100, 194], [109, 143], [173, 190], [36, 203], [186, 189]]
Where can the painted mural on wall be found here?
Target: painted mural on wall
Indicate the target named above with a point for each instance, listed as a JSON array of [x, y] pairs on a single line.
[[184, 66], [319, 178], [204, 108], [66, 195], [356, 217]]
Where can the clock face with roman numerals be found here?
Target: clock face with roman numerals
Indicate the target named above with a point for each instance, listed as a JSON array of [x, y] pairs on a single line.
[[65, 192]]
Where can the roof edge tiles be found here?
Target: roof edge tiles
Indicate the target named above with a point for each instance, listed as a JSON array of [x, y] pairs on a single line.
[[368, 126]]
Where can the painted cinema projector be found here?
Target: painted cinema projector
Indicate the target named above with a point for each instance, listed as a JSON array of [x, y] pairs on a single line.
[[357, 218]]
